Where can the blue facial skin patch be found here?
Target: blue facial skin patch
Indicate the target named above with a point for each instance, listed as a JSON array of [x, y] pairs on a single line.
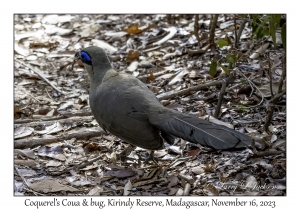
[[85, 57]]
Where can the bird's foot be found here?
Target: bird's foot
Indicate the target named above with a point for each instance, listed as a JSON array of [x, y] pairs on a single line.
[[122, 156], [151, 157]]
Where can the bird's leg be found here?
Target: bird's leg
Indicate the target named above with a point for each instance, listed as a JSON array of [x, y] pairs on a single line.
[[126, 152], [151, 157]]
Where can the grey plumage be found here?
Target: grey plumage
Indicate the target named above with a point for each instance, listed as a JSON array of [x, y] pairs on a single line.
[[125, 106]]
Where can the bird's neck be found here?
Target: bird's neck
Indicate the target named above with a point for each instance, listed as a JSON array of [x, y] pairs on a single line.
[[101, 77]]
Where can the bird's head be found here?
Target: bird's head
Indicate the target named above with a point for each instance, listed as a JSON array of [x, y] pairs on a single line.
[[95, 61]]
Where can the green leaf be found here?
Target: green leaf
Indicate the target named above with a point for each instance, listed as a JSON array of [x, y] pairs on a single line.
[[254, 24], [254, 18], [225, 69], [231, 58], [222, 42], [242, 107], [266, 32], [254, 29], [266, 19], [213, 68], [259, 33], [274, 23], [278, 18], [283, 36]]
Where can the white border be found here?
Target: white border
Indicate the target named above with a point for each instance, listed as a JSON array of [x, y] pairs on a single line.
[[8, 201]]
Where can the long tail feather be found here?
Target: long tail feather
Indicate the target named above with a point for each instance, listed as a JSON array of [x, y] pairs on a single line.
[[196, 130]]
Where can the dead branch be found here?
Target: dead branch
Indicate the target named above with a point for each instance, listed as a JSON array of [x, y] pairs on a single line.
[[173, 94], [83, 133], [283, 75], [270, 77], [242, 26], [64, 113], [274, 99], [196, 29], [22, 177], [270, 109], [22, 121], [235, 32], [221, 96], [212, 30], [187, 178], [277, 96], [71, 120], [268, 153], [252, 87], [79, 113], [196, 52], [157, 74], [41, 76]]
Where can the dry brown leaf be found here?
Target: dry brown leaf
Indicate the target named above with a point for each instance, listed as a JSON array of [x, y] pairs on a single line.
[[132, 55], [55, 128], [173, 180], [194, 152], [30, 163], [173, 191], [22, 131], [151, 76], [124, 173], [50, 185], [133, 29], [53, 152], [26, 153]]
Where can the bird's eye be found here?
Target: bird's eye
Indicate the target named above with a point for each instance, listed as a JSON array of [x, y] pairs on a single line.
[[85, 57]]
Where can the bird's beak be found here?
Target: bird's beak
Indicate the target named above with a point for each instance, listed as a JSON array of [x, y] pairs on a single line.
[[76, 57]]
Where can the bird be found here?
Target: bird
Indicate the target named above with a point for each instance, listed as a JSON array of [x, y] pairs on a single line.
[[124, 106]]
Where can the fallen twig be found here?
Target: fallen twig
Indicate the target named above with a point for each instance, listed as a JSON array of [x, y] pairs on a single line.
[[196, 52], [22, 121], [70, 120], [252, 85], [41, 76], [189, 179], [156, 74], [84, 133], [173, 93], [22, 177], [187, 189], [268, 153], [64, 113], [80, 113]]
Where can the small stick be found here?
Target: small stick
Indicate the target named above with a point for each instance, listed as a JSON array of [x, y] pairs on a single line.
[[221, 96], [41, 76]]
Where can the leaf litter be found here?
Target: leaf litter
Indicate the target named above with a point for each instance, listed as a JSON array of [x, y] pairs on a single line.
[[167, 58]]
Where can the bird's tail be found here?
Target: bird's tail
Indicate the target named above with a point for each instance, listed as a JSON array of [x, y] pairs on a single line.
[[202, 132]]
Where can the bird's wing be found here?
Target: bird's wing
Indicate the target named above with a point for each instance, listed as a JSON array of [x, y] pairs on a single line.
[[118, 109]]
